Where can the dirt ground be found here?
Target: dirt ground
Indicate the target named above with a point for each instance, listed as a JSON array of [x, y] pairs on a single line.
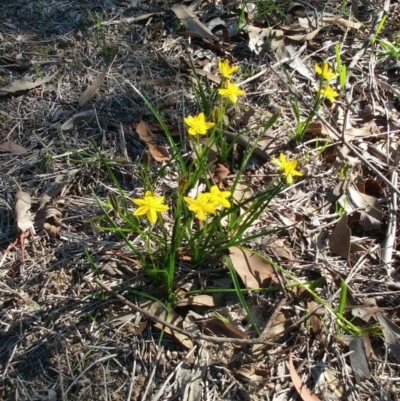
[[64, 337]]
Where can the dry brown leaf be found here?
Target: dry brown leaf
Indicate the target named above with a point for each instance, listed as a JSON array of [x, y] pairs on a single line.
[[152, 127], [75, 121], [366, 311], [369, 207], [12, 147], [158, 152], [339, 241], [316, 329], [304, 37], [209, 75], [221, 171], [369, 351], [254, 271], [191, 22], [288, 54], [49, 212], [241, 192], [22, 206], [277, 328], [280, 251], [315, 321], [219, 328], [391, 332], [342, 22], [257, 36], [144, 133], [196, 300], [309, 23], [367, 129], [371, 187], [157, 309], [350, 132], [21, 85], [305, 393], [318, 128], [92, 89], [50, 219], [142, 17]]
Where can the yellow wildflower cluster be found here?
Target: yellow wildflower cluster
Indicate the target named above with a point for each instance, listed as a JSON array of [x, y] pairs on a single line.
[[208, 202], [327, 75], [231, 91], [197, 125], [205, 203]]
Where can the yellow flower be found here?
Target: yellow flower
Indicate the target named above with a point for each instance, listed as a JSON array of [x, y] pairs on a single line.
[[288, 167], [219, 197], [201, 205], [324, 71], [225, 69], [329, 93], [231, 91], [198, 124], [150, 205]]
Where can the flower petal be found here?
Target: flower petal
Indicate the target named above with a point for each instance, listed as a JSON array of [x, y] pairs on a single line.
[[139, 202], [152, 215], [224, 203], [297, 173], [141, 211], [188, 200], [160, 208], [200, 214]]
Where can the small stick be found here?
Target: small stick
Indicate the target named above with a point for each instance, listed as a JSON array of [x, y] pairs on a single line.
[[388, 243]]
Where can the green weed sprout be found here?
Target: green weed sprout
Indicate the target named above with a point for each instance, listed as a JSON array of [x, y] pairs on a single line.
[[99, 34], [389, 49], [379, 28], [340, 68]]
